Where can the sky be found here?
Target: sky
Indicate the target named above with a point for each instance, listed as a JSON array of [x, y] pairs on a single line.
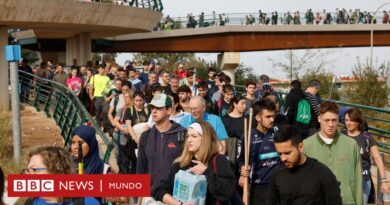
[[260, 61]]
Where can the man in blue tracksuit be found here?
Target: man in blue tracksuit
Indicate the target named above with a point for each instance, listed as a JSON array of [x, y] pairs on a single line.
[[263, 157], [162, 144]]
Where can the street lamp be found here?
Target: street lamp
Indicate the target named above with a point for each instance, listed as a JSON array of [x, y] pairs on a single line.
[[372, 32]]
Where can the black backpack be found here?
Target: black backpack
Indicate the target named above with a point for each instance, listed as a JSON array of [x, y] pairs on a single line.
[[75, 201]]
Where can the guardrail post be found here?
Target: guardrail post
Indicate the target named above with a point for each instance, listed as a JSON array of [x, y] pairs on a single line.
[[36, 101], [48, 102]]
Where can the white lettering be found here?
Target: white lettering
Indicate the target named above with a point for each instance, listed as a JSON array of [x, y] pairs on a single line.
[[125, 185]]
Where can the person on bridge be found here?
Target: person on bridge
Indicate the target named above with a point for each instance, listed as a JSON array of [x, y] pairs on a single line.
[[354, 123], [339, 152]]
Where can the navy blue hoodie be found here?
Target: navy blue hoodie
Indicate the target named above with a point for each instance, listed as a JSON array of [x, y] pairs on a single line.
[[157, 151]]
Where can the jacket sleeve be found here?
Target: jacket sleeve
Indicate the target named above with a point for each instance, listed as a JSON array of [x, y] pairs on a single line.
[[223, 184], [241, 156], [290, 108], [273, 196], [330, 186], [358, 186], [165, 185], [142, 160]]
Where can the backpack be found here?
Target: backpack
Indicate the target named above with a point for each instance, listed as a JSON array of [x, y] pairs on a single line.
[[75, 201], [303, 112]]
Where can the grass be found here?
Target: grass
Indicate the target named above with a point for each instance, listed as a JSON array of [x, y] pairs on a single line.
[[7, 163]]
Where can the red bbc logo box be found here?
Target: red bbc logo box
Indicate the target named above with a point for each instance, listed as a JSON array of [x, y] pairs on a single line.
[[73, 185], [33, 185]]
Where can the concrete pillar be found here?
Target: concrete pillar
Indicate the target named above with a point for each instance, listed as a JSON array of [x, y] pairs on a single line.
[[4, 73], [85, 48], [78, 48], [228, 61], [70, 50]]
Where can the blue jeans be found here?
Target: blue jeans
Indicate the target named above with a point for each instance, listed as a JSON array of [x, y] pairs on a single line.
[[366, 190]]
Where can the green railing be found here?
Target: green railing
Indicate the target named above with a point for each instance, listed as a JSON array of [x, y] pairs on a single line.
[[59, 103]]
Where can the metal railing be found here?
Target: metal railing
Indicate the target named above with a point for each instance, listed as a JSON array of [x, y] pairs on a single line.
[[155, 5], [327, 18], [59, 103]]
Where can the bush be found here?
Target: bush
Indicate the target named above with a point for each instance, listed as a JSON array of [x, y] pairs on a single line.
[[370, 86]]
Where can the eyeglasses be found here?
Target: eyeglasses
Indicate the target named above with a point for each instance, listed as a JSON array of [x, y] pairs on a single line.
[[34, 170]]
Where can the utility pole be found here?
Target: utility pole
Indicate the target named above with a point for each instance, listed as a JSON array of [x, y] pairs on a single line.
[[13, 55]]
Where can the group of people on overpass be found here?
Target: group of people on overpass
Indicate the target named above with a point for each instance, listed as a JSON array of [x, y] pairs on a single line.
[[339, 16], [164, 122]]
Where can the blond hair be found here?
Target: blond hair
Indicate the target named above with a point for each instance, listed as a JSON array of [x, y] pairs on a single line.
[[208, 147]]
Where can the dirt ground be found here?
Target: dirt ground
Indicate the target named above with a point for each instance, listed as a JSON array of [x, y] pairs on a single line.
[[38, 130]]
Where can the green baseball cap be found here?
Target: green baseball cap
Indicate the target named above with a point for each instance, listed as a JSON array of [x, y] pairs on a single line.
[[161, 100]]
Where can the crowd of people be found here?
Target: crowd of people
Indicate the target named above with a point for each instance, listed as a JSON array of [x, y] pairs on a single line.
[[164, 122], [339, 16]]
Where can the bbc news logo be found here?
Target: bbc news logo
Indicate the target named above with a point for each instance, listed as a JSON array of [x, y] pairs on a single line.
[[33, 185], [96, 185]]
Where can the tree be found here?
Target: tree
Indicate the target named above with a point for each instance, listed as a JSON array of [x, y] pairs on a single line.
[[326, 81], [244, 74], [370, 86], [296, 65]]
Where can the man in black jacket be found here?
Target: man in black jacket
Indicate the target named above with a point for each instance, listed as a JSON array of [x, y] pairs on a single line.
[[302, 180], [293, 97]]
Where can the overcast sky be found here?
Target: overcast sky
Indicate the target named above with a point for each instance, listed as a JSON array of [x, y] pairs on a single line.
[[260, 60]]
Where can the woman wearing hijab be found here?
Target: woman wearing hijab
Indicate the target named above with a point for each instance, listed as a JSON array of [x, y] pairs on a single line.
[[86, 136]]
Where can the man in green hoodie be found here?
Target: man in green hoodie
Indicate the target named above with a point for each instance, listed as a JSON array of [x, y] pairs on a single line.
[[339, 152]]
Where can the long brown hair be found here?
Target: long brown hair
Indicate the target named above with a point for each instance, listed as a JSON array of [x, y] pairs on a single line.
[[208, 147], [356, 115]]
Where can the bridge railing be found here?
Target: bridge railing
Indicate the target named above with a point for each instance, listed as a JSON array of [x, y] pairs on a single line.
[[267, 19], [59, 103], [155, 5]]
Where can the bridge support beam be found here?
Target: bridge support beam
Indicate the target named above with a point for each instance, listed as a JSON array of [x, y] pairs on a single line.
[[78, 49], [4, 72], [228, 61]]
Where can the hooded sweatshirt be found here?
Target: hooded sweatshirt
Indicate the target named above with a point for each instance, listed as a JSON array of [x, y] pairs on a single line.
[[157, 151]]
